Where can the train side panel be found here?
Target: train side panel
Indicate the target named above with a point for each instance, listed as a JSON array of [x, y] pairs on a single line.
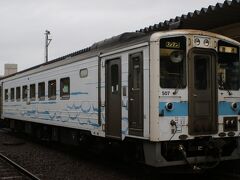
[[79, 109]]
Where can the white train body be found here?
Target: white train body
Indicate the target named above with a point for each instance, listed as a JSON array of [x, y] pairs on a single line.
[[88, 86], [80, 111]]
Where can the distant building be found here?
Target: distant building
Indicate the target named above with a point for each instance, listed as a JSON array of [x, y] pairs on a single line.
[[10, 69]]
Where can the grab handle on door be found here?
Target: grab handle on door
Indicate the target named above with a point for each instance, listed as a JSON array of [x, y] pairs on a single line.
[[131, 99], [194, 95]]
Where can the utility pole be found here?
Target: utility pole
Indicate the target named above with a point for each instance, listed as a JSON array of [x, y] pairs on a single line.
[[47, 42]]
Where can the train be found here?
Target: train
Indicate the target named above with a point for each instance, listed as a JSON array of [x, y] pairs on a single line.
[[168, 98]]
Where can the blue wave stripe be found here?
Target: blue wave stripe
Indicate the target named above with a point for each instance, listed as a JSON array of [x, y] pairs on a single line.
[[224, 108], [44, 102], [180, 109], [78, 93]]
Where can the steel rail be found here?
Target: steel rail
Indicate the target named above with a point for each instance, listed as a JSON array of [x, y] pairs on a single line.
[[19, 168]]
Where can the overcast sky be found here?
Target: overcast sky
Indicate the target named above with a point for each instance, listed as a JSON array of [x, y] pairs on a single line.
[[76, 24]]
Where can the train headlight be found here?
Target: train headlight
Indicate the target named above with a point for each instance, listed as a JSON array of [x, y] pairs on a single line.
[[230, 124], [206, 42], [197, 41], [169, 106], [234, 106]]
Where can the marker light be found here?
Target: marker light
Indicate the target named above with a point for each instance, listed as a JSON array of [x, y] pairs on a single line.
[[206, 42], [197, 41]]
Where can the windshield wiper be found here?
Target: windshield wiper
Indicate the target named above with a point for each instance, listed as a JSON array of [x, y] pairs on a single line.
[[179, 83]]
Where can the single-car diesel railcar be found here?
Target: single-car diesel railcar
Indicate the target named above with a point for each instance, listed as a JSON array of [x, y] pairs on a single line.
[[172, 96]]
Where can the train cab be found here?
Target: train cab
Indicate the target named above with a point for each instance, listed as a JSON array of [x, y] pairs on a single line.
[[195, 81]]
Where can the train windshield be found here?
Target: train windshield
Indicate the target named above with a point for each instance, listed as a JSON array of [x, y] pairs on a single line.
[[228, 66], [173, 62]]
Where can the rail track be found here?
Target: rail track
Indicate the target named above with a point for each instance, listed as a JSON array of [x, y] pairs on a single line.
[[11, 170]]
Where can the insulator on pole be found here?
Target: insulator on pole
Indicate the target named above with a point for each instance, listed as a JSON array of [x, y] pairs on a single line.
[[47, 42]]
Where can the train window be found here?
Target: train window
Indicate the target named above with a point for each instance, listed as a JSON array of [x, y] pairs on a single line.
[[201, 72], [6, 95], [18, 93], [114, 78], [52, 89], [33, 92], [173, 62], [24, 93], [136, 73], [83, 73], [228, 66], [41, 91], [12, 94], [65, 88]]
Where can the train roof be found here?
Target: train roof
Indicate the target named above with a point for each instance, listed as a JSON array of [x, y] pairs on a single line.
[[206, 18], [221, 14]]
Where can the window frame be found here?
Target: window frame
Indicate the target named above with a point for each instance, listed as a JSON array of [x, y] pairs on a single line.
[[32, 98], [80, 73], [24, 92], [12, 94], [62, 95], [41, 93], [6, 95], [50, 95], [115, 78], [18, 92], [227, 84], [184, 66]]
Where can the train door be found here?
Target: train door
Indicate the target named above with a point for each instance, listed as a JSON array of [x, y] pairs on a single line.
[[113, 98], [202, 92], [135, 94]]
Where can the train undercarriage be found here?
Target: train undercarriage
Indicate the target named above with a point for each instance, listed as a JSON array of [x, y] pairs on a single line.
[[199, 153]]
